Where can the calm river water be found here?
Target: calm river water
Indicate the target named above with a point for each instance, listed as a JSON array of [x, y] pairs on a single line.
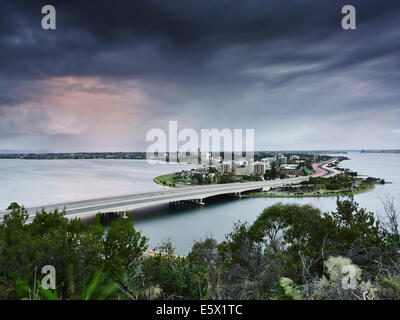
[[37, 182]]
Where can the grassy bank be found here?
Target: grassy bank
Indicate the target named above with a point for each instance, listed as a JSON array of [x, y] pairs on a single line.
[[309, 171], [165, 180], [174, 180], [319, 194]]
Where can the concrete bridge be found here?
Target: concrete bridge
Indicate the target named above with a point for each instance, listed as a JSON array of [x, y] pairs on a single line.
[[192, 194], [130, 202]]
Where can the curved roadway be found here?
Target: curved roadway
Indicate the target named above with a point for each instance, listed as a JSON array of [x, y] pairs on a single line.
[[322, 169], [130, 202]]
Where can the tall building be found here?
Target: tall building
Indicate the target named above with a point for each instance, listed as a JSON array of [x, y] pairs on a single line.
[[226, 167], [258, 168]]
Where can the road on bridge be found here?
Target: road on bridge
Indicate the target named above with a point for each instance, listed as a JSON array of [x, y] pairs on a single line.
[[129, 202]]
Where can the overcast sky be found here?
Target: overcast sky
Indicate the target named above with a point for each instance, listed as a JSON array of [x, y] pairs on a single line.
[[112, 70]]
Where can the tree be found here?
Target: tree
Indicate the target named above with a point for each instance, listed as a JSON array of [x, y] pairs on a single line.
[[13, 205], [197, 178], [123, 247], [289, 252], [272, 173], [176, 277], [49, 239]]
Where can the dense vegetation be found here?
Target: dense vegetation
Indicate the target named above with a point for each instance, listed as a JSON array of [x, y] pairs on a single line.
[[338, 185], [337, 182], [289, 252]]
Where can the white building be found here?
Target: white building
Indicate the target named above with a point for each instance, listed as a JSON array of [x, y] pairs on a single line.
[[289, 166], [205, 157], [294, 157], [226, 167], [258, 168], [267, 160], [282, 160]]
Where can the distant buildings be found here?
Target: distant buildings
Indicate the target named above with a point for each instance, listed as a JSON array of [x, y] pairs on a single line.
[[267, 162], [290, 170], [289, 164], [76, 155]]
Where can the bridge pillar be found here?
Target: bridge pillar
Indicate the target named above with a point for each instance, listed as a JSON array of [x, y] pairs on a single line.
[[200, 201]]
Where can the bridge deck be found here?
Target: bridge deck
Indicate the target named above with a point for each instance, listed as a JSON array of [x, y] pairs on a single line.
[[129, 202]]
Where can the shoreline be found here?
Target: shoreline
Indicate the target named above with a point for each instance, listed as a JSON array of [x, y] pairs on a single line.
[[168, 181], [338, 194]]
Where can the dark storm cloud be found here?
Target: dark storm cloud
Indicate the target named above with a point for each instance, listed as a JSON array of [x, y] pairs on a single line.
[[277, 59], [167, 38]]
